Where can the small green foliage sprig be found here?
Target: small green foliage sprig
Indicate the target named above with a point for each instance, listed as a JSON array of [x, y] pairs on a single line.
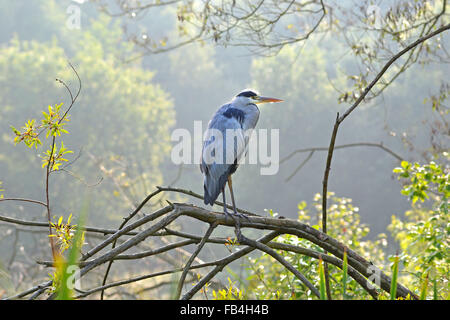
[[53, 121], [29, 134], [64, 233], [231, 292], [55, 158], [52, 124], [423, 234], [423, 179]]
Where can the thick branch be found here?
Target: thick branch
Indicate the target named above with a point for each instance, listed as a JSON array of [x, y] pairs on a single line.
[[359, 268]]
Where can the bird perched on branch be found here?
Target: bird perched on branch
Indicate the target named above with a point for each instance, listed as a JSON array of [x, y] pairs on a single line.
[[225, 143]]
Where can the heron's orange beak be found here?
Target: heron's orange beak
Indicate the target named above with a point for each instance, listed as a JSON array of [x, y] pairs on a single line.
[[267, 99]]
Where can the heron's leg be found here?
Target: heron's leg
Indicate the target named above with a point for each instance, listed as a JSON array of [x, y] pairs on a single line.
[[225, 211], [230, 185]]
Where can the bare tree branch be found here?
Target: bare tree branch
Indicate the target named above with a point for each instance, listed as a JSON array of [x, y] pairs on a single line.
[[160, 219], [344, 146], [24, 200], [280, 259], [211, 228], [46, 225], [340, 119]]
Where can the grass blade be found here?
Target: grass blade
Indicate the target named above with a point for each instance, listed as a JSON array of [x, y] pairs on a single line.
[[423, 291], [435, 290], [344, 275], [394, 279], [67, 268], [322, 280]]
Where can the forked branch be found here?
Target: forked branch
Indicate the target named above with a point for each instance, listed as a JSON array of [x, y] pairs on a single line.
[[157, 224]]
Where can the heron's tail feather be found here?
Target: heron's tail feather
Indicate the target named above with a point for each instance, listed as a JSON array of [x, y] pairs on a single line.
[[213, 188], [207, 199]]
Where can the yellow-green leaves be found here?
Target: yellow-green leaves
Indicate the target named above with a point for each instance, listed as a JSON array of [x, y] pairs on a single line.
[[423, 179], [52, 123], [55, 159], [230, 243], [423, 234], [66, 269], [64, 233], [230, 293], [28, 134]]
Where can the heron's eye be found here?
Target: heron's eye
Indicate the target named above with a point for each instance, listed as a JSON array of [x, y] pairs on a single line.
[[255, 97]]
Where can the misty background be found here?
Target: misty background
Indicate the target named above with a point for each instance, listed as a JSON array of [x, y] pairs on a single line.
[[130, 104]]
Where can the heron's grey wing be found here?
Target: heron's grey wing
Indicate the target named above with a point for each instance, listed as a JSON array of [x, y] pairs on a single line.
[[218, 161]]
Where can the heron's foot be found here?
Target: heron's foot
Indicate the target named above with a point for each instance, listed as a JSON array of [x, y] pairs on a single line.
[[234, 215], [226, 213], [241, 215]]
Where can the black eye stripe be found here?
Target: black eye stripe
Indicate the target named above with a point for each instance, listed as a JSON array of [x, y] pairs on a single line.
[[247, 94]]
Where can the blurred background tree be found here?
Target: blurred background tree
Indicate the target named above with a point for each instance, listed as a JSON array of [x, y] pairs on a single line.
[[316, 55]]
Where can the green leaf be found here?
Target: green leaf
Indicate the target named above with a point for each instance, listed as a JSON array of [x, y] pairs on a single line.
[[393, 292], [405, 164], [17, 132]]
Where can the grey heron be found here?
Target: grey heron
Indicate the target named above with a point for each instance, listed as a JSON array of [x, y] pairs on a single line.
[[220, 155]]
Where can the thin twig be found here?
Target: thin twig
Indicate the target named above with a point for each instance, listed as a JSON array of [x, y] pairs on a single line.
[[24, 200], [46, 224], [362, 281], [343, 146], [122, 225], [211, 228], [279, 258], [219, 265]]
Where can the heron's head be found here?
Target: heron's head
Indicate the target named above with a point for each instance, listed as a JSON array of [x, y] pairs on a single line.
[[252, 97]]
